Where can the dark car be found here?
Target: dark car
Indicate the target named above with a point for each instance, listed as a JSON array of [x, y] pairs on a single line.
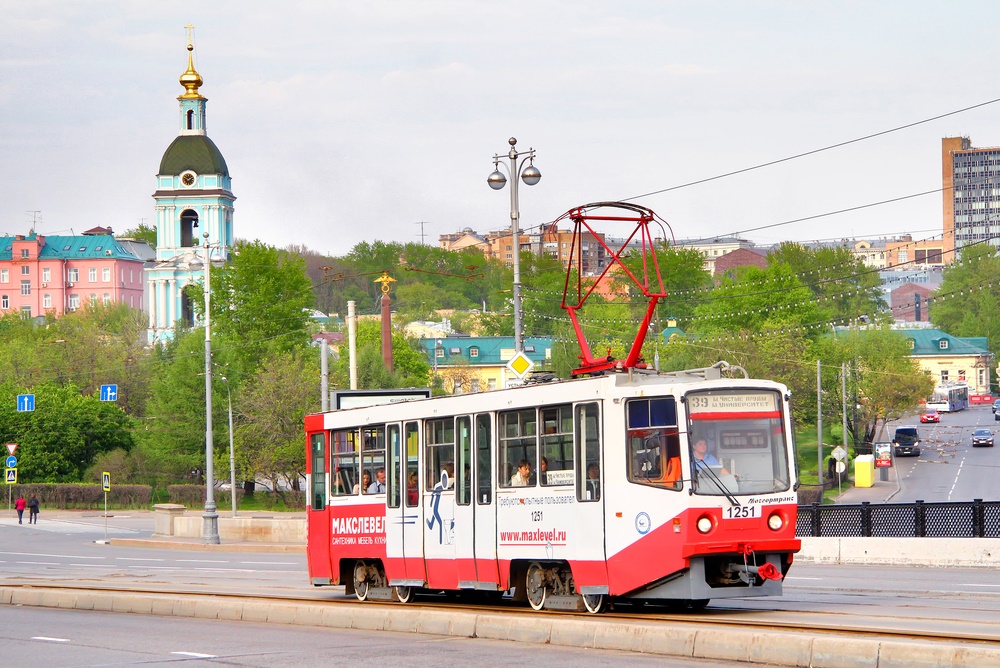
[[930, 415], [906, 442], [982, 437], [996, 405]]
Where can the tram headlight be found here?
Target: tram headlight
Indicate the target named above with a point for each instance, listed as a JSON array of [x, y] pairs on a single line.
[[705, 524], [775, 522]]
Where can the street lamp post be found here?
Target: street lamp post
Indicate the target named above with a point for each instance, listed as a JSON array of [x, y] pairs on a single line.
[[232, 457], [530, 175], [210, 526]]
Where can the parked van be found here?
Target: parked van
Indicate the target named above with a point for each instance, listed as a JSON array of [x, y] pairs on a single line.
[[906, 442]]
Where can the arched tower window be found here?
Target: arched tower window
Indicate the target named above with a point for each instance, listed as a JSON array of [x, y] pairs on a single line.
[[189, 222], [190, 119], [187, 310]]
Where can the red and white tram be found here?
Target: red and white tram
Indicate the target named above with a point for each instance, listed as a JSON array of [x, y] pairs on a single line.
[[619, 499], [622, 483]]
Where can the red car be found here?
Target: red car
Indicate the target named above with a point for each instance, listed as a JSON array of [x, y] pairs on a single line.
[[930, 415]]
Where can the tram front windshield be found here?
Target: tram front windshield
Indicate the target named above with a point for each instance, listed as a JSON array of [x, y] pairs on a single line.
[[736, 442]]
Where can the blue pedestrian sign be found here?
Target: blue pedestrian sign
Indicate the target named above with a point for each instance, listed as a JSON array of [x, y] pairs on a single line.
[[25, 403], [109, 393], [11, 476], [11, 461]]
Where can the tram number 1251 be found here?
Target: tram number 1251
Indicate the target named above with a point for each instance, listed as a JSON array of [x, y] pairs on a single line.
[[742, 512]]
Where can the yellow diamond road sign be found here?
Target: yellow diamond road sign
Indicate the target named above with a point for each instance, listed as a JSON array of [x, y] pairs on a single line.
[[520, 364]]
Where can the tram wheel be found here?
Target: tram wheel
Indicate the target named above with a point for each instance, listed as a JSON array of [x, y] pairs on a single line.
[[595, 603], [361, 580], [404, 594], [534, 586]]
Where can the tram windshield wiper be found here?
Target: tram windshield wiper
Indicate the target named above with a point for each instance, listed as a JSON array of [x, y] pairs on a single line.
[[708, 473]]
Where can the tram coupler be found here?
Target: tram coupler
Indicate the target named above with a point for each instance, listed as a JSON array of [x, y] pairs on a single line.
[[765, 571]]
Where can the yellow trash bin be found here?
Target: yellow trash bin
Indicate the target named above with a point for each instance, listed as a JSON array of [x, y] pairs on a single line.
[[864, 470]]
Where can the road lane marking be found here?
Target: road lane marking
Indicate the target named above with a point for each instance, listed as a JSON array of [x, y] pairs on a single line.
[[203, 561], [47, 639], [269, 563], [195, 655], [39, 554], [137, 559]]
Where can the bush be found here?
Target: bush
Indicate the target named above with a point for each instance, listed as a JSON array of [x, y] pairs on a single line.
[[193, 496], [88, 497]]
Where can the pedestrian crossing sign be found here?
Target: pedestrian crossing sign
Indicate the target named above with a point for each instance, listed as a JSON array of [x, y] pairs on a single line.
[[106, 481], [11, 476]]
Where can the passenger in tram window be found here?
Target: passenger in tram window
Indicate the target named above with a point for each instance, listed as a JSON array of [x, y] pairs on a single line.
[[339, 482], [378, 487], [594, 480], [703, 458], [366, 481], [544, 470], [449, 468], [521, 477], [411, 488]]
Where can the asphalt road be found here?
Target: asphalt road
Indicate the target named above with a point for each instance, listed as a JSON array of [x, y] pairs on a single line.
[[949, 468]]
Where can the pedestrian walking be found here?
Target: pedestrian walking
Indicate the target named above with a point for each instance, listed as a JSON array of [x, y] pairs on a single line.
[[19, 506], [33, 510]]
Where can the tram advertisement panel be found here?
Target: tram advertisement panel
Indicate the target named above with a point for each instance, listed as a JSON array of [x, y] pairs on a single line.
[[357, 530]]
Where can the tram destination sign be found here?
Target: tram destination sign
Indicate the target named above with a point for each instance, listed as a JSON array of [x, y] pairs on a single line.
[[732, 402]]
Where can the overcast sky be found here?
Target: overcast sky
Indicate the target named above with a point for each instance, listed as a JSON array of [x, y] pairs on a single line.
[[344, 122]]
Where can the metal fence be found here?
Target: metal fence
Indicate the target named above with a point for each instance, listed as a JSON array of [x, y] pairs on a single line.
[[968, 519]]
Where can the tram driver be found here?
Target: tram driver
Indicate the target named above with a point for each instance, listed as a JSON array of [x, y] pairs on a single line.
[[703, 458]]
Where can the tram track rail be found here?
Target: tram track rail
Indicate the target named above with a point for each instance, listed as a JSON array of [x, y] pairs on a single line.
[[330, 602]]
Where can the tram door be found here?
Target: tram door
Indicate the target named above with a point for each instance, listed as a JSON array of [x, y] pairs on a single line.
[[485, 540], [412, 520], [465, 526], [439, 476], [320, 568]]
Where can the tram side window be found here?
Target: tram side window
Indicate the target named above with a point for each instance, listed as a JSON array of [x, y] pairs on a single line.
[[343, 461], [392, 470], [463, 485], [317, 449], [555, 467], [518, 448], [412, 440], [588, 452], [439, 453], [653, 443], [484, 470], [372, 460]]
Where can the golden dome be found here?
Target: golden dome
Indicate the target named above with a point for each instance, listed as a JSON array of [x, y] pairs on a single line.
[[191, 80]]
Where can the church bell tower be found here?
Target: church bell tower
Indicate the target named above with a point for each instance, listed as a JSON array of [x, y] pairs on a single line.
[[193, 198]]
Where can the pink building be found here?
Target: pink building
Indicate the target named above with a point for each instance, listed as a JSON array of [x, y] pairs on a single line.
[[39, 275]]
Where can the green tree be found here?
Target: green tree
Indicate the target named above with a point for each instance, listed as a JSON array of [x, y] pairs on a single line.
[[886, 382], [757, 300], [260, 304], [271, 408], [969, 302], [838, 279], [60, 439], [141, 232]]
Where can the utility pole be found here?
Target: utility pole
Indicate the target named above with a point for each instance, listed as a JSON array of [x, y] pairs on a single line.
[[422, 235], [819, 422]]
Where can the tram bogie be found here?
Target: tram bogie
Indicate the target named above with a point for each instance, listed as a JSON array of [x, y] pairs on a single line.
[[570, 495]]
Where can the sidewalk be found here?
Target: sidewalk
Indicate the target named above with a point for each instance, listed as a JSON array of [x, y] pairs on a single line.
[[879, 492], [97, 518]]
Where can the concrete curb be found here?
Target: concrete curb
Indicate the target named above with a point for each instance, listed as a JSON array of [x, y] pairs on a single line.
[[692, 640], [176, 544], [955, 552]]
